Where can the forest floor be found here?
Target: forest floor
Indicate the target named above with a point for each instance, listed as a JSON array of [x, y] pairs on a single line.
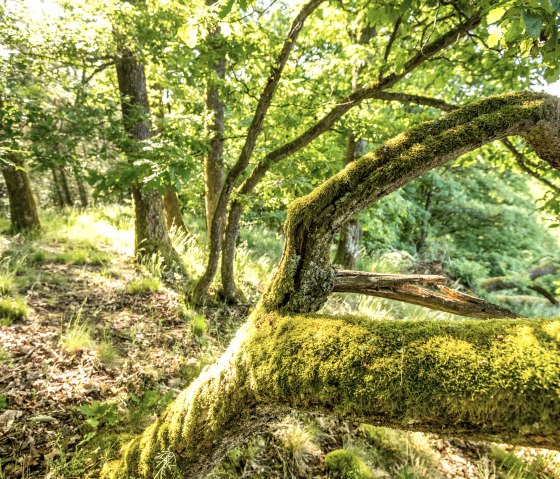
[[92, 348]]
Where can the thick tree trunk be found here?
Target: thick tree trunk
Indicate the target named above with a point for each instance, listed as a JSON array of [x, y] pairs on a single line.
[[23, 209], [173, 216], [305, 277], [151, 235], [495, 380], [351, 232]]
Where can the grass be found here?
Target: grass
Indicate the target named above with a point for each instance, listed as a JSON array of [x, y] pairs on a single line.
[[81, 256], [12, 309], [199, 325], [77, 337], [145, 284]]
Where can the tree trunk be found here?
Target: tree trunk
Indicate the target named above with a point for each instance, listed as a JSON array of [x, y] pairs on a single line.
[[214, 166], [173, 216], [82, 192], [23, 209], [480, 380], [420, 245], [305, 277], [151, 236], [495, 380], [57, 189], [200, 293], [351, 232], [66, 194], [231, 293]]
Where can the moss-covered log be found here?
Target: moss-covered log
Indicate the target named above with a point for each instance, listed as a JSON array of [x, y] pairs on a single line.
[[495, 380]]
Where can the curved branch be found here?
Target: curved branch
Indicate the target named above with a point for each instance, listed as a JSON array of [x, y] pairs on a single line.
[[495, 380], [305, 277]]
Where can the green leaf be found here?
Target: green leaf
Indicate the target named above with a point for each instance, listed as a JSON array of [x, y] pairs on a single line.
[[224, 12], [243, 5], [495, 37], [495, 14], [552, 74], [533, 23]]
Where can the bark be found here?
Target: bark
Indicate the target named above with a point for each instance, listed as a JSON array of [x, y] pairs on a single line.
[[425, 222], [214, 166], [230, 292], [494, 380], [23, 209], [405, 288], [351, 232], [305, 277], [200, 293], [151, 235], [173, 216], [82, 191], [57, 189], [65, 188]]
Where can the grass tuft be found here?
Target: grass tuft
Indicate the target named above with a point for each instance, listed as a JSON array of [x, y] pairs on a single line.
[[145, 284], [12, 309]]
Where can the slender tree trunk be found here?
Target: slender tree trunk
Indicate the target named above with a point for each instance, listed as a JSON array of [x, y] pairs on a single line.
[[172, 207], [23, 209], [230, 291], [66, 193], [200, 293], [425, 222], [351, 232], [214, 166], [57, 189], [150, 228], [82, 192]]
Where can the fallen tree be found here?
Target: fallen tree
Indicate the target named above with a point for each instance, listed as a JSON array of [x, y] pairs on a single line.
[[496, 379]]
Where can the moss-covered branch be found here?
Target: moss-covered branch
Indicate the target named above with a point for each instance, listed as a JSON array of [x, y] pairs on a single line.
[[495, 380], [305, 277]]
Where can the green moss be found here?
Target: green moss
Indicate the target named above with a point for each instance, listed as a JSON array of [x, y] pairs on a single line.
[[498, 376], [497, 379], [346, 465]]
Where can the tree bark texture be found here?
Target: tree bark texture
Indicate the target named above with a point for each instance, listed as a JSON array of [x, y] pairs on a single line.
[[214, 165], [151, 235], [172, 207], [23, 209]]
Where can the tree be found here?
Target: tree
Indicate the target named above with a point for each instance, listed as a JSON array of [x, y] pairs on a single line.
[[403, 28], [23, 210], [151, 236], [493, 379]]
